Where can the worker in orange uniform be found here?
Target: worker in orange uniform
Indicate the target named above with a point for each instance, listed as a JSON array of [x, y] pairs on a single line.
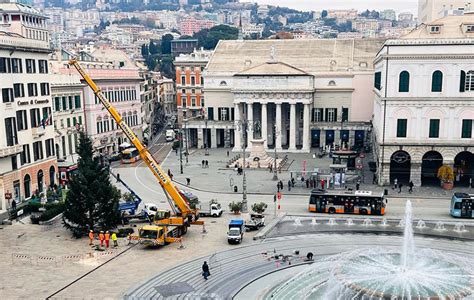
[[101, 238], [107, 239], [91, 237]]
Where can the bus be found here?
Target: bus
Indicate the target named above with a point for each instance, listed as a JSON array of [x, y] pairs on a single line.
[[347, 202], [130, 155], [462, 205]]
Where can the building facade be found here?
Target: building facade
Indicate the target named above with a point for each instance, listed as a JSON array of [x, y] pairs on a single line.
[[191, 26], [424, 108], [27, 153], [311, 96], [189, 84], [430, 10]]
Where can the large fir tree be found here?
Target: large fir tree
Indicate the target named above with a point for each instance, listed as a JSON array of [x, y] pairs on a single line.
[[92, 201]]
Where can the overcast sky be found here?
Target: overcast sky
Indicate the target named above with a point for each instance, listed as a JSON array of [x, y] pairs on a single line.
[[397, 5]]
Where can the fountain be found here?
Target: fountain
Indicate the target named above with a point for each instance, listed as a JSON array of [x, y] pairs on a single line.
[[384, 273], [314, 222], [421, 224], [332, 222], [440, 226], [297, 222], [349, 222], [459, 227], [367, 222], [384, 223], [401, 223], [258, 157]]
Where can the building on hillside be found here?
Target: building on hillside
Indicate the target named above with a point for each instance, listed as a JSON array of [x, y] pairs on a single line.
[[342, 15], [405, 19], [363, 25], [167, 96], [311, 96], [27, 153], [423, 109], [183, 46], [191, 26], [253, 29], [119, 81], [189, 84], [430, 10], [388, 14], [68, 113]]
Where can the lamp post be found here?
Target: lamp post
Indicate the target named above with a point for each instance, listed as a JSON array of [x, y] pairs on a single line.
[[243, 127], [181, 151], [206, 146], [185, 120], [275, 133]]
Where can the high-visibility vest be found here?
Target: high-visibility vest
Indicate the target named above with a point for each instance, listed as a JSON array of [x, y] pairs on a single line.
[[107, 236], [91, 235], [101, 236]]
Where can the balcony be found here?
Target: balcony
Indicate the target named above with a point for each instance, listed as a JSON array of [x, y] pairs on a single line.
[[38, 132], [10, 150]]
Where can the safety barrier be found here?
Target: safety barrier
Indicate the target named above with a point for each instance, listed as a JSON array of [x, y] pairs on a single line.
[[23, 258], [59, 260], [46, 259]]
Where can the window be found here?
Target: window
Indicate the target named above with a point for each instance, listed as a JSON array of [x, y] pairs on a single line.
[[470, 28], [21, 120], [404, 82], [7, 95], [5, 66], [193, 80], [331, 114], [183, 80], [57, 104], [16, 65], [317, 115], [77, 101], [402, 128], [38, 150], [27, 185], [44, 86], [434, 128], [49, 147], [202, 101], [19, 90], [32, 89], [462, 82], [466, 132], [43, 66], [68, 122], [47, 116], [70, 102], [64, 103], [35, 117], [80, 120], [210, 113], [345, 114], [469, 81], [378, 80], [437, 81], [25, 156], [435, 29], [183, 101], [223, 113], [30, 66], [10, 131], [202, 80], [14, 162], [193, 101]]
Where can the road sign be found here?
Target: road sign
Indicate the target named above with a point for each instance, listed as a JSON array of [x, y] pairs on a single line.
[[279, 195]]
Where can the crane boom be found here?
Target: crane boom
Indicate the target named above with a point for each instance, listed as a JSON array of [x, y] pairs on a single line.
[[149, 160]]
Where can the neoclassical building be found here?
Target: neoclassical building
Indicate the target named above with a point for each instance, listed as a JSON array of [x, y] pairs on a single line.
[[424, 103], [312, 93]]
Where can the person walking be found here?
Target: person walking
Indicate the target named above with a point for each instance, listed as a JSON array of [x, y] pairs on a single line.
[[169, 172], [278, 186], [228, 153], [410, 190], [118, 177], [205, 270], [107, 239], [91, 237], [101, 238], [207, 163], [400, 185], [374, 179], [114, 239], [322, 184], [289, 185], [188, 181], [202, 163], [395, 183], [358, 185]]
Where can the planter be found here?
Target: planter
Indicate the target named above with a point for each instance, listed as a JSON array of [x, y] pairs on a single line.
[[448, 185]]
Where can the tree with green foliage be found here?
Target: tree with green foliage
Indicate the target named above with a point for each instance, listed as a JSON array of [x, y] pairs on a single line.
[[153, 48], [324, 14], [166, 43], [208, 38], [92, 201], [145, 51]]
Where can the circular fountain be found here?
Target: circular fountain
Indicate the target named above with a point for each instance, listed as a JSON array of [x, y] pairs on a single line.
[[384, 273]]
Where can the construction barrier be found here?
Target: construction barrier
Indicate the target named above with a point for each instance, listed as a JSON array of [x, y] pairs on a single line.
[[24, 258], [46, 259]]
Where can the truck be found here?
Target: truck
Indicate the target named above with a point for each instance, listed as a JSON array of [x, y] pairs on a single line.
[[151, 235], [236, 231], [255, 222], [182, 215], [170, 135], [210, 209]]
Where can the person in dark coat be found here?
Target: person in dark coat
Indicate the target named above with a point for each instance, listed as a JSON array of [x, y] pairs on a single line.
[[205, 270], [289, 185], [410, 190], [400, 185]]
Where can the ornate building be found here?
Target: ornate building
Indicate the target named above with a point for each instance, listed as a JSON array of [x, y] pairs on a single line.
[[424, 108]]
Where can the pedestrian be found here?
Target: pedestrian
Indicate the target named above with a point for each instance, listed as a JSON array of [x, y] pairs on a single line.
[[395, 184], [400, 185], [202, 163], [118, 177], [91, 237], [101, 238], [374, 179], [289, 185], [171, 176], [13, 204], [207, 163], [114, 239], [281, 185], [307, 183], [205, 270], [358, 185], [309, 256], [322, 184], [278, 186], [176, 151], [107, 239], [169, 172], [411, 187], [227, 153], [188, 181], [292, 182]]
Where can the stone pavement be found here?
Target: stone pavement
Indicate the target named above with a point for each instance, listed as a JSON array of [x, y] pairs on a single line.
[[219, 179]]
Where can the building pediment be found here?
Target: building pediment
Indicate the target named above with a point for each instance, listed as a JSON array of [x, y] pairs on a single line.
[[273, 68]]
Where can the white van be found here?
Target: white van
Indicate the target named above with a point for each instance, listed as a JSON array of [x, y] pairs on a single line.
[[170, 135]]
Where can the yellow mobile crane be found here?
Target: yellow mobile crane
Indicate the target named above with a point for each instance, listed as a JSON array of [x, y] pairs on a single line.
[[167, 228]]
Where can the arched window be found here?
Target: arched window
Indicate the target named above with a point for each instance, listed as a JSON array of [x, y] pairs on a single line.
[[52, 175], [40, 180], [404, 82], [437, 81], [27, 185], [469, 82], [99, 125]]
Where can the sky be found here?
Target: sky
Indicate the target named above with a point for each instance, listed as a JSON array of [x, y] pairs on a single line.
[[318, 5]]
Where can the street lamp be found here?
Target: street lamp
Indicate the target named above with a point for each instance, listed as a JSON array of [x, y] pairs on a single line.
[[275, 134], [242, 125], [185, 120], [206, 146]]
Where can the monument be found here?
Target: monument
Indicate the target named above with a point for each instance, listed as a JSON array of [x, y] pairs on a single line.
[[258, 157]]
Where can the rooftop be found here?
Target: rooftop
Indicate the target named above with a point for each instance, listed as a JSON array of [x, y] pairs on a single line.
[[451, 28], [308, 56]]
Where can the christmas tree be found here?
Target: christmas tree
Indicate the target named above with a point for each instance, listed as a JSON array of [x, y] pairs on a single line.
[[92, 201]]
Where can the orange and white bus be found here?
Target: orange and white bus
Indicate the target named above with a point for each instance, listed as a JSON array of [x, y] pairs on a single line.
[[347, 202], [130, 155]]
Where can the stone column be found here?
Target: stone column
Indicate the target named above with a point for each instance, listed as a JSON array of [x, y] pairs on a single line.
[[200, 137], [213, 138], [264, 125], [306, 133], [278, 126], [292, 127], [415, 173], [250, 123], [237, 130]]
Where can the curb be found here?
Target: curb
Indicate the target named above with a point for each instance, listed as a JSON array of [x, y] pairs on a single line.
[[262, 234], [51, 221]]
